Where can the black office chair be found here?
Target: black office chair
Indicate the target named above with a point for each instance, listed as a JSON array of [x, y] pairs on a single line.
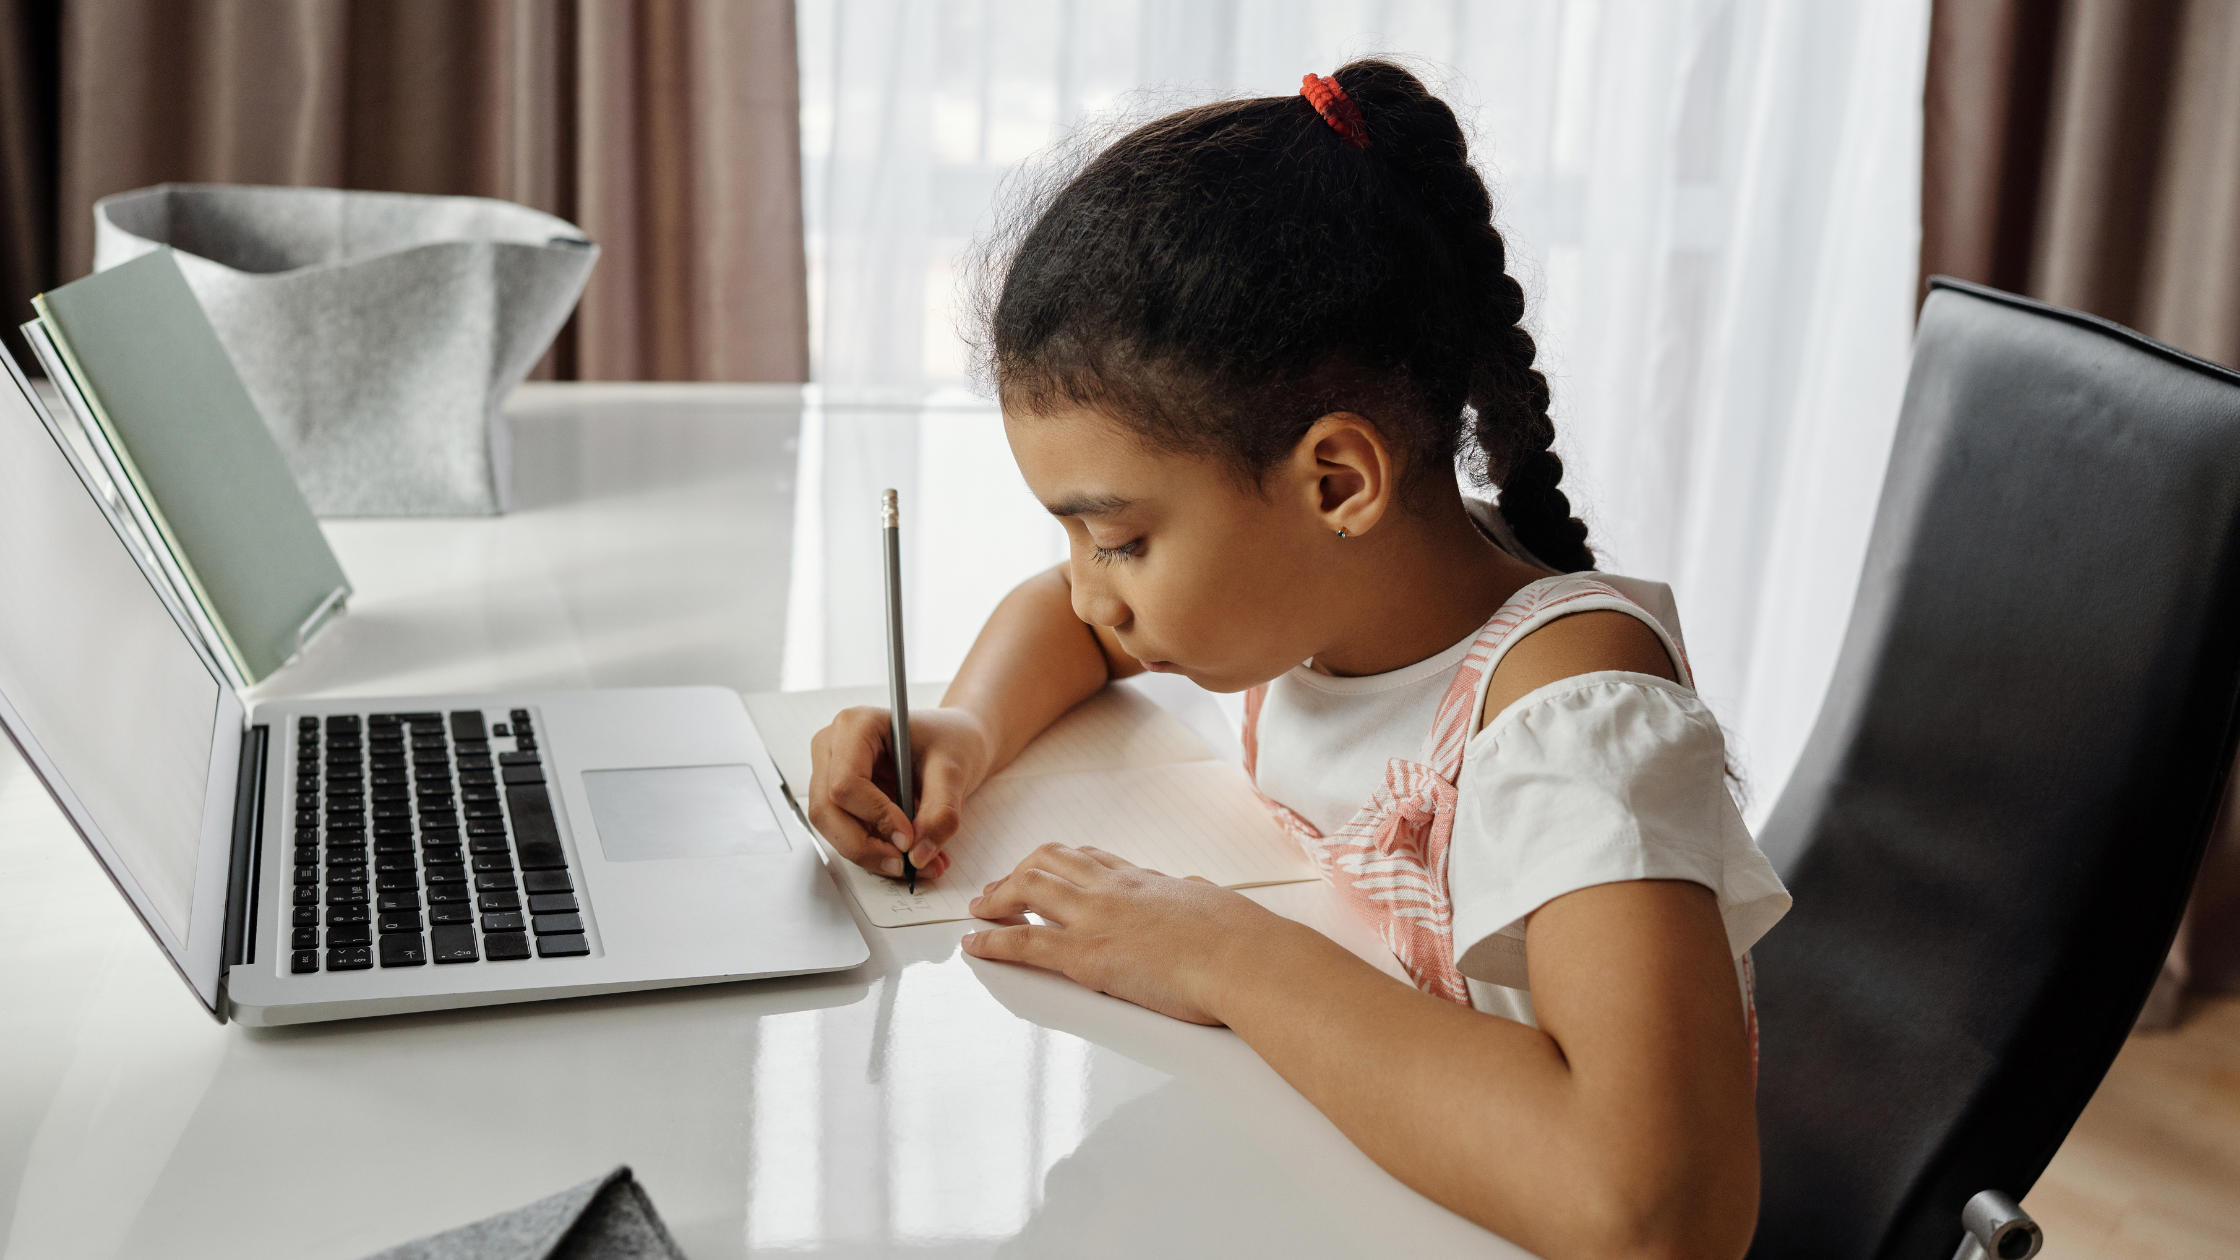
[[1996, 821]]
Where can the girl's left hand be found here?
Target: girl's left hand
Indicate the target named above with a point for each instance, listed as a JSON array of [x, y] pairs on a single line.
[[1165, 943]]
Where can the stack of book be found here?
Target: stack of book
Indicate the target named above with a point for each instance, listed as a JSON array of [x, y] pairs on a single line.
[[169, 441]]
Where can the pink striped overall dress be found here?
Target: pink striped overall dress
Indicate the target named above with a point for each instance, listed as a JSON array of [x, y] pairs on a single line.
[[1390, 861]]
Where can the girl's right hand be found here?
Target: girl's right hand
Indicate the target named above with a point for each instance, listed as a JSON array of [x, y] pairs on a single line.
[[852, 788]]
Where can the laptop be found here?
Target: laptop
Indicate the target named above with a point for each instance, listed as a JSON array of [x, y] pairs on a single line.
[[313, 859]]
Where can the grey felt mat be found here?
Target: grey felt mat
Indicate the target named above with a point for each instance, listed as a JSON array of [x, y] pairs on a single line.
[[607, 1218], [378, 333]]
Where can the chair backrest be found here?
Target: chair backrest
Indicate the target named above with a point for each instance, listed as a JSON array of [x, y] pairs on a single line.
[[1995, 823]]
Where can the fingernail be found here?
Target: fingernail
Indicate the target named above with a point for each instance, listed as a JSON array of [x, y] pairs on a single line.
[[990, 886], [970, 937], [972, 905], [892, 866]]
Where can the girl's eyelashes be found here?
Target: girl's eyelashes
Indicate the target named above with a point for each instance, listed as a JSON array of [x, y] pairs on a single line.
[[1125, 551]]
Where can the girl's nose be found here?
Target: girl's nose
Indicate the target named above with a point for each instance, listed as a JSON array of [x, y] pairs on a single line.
[[1094, 601]]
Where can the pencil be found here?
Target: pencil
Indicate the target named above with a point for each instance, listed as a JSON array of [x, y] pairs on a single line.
[[898, 678]]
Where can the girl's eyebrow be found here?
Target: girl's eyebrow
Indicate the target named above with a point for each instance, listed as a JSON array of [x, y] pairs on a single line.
[[1090, 505]]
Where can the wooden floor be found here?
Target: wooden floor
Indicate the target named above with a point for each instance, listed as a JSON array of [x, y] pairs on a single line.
[[2152, 1170]]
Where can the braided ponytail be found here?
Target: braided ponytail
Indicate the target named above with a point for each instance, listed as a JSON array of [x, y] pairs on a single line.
[[1223, 277], [1514, 434]]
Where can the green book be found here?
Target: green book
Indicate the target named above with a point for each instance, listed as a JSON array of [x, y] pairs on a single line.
[[195, 465]]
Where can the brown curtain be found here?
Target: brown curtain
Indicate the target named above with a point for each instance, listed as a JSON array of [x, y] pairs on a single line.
[[666, 129], [2087, 153]]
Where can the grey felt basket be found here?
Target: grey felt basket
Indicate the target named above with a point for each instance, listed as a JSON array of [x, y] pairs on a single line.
[[379, 333]]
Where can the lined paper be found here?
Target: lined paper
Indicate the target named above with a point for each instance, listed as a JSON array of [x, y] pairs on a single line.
[[1117, 772]]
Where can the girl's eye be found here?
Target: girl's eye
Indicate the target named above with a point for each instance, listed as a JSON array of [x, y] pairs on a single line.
[[1125, 551]]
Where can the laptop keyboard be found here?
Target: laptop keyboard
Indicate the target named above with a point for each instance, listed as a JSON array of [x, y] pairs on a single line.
[[403, 850]]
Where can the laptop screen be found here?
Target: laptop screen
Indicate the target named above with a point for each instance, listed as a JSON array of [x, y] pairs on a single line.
[[107, 686]]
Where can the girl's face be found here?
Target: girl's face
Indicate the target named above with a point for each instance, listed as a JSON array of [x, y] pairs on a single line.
[[1195, 573]]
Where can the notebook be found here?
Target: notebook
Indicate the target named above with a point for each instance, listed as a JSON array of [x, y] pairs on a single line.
[[188, 459], [1117, 772]]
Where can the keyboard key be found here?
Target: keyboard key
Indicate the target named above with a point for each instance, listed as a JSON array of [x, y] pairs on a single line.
[[547, 882], [493, 902], [467, 724], [347, 873], [446, 892], [536, 837], [499, 861], [307, 896], [471, 747], [524, 774], [306, 916], [306, 875], [553, 903], [555, 924], [303, 960], [392, 794], [519, 715], [397, 881], [349, 934], [562, 946], [481, 811], [454, 944], [348, 914], [501, 730], [388, 862], [496, 882], [307, 723], [393, 827], [489, 844], [440, 828], [420, 719], [486, 827], [343, 894], [443, 852], [502, 946], [390, 809], [355, 958], [446, 874], [473, 763], [401, 921], [517, 759], [304, 938], [403, 949], [451, 912], [502, 922], [522, 741], [397, 901]]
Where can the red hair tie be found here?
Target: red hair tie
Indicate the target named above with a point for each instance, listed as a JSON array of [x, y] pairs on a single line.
[[1336, 108]]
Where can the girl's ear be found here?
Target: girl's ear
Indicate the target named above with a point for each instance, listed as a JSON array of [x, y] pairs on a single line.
[[1352, 472]]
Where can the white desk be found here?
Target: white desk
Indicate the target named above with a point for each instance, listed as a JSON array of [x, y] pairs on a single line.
[[921, 1105]]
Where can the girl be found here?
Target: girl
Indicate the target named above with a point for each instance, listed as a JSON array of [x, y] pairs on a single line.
[[1239, 355]]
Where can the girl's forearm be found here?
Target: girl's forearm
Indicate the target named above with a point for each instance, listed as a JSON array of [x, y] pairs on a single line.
[[1033, 661]]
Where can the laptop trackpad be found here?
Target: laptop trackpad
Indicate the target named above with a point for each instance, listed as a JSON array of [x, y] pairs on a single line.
[[682, 812]]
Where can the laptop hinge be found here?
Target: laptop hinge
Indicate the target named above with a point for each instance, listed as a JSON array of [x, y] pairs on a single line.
[[248, 838]]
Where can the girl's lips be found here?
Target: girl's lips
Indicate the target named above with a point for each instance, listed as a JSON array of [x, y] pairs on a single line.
[[1159, 667]]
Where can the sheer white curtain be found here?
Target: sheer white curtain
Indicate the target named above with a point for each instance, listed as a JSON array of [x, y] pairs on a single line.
[[1713, 205]]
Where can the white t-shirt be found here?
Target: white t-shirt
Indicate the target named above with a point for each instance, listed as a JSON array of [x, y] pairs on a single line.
[[1590, 780]]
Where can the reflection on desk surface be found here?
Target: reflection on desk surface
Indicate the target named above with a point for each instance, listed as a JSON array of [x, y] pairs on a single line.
[[922, 1105]]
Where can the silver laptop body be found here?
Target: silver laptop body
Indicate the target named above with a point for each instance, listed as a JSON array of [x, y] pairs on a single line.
[[330, 859]]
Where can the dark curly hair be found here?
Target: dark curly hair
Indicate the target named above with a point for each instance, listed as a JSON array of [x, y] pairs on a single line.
[[1222, 277]]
